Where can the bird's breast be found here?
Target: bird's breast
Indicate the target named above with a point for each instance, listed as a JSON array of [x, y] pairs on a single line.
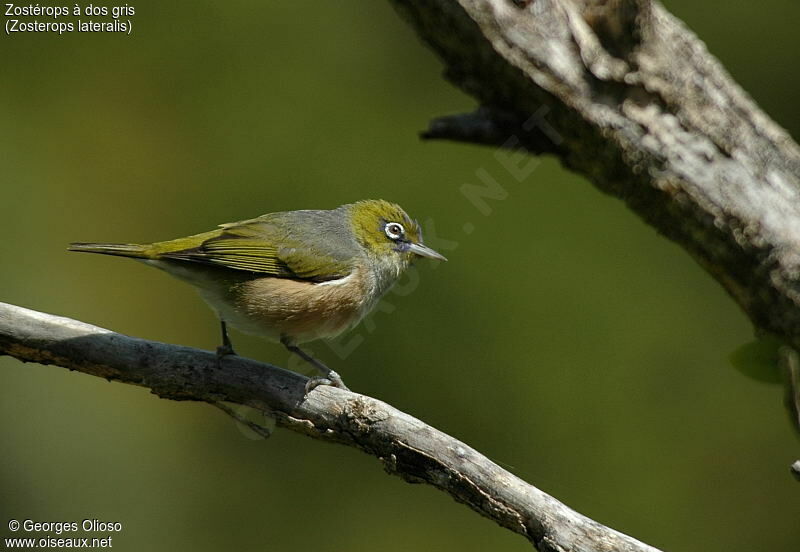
[[301, 310]]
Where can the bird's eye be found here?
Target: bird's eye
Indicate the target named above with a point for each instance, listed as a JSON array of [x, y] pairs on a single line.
[[394, 230]]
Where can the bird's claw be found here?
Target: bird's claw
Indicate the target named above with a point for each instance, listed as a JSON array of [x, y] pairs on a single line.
[[222, 352], [332, 378], [225, 350]]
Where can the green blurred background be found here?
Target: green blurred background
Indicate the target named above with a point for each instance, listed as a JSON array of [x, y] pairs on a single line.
[[565, 339]]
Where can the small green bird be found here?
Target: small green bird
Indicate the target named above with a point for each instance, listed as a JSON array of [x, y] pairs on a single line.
[[293, 276]]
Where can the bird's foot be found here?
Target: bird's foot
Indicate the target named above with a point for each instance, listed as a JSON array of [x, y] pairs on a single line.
[[328, 377], [222, 352], [225, 350], [331, 378]]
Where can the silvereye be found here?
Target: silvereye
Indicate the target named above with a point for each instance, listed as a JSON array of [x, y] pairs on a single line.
[[293, 276]]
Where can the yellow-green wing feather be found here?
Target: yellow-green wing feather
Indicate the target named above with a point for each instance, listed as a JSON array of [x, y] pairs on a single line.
[[274, 245]]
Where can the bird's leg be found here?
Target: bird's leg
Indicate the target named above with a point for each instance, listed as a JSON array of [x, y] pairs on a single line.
[[226, 348], [329, 377]]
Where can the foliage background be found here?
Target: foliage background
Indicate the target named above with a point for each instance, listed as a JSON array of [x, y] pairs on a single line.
[[564, 339]]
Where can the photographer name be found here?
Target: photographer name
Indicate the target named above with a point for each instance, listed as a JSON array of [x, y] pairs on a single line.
[[58, 527]]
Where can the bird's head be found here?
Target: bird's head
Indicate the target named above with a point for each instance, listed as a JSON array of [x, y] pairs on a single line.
[[388, 235]]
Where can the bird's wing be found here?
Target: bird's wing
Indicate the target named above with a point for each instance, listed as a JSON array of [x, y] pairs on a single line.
[[272, 246]]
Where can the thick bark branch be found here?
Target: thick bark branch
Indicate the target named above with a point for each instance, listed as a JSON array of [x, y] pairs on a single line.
[[407, 447], [634, 101]]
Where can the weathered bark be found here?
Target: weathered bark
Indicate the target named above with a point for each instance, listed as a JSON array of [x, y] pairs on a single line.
[[405, 445], [623, 93]]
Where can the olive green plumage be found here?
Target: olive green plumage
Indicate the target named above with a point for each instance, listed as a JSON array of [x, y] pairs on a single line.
[[310, 245], [292, 276]]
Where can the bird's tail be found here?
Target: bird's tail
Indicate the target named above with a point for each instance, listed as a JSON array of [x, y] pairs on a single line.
[[134, 250]]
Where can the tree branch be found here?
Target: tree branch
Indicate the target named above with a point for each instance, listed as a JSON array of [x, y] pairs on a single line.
[[407, 447], [623, 93]]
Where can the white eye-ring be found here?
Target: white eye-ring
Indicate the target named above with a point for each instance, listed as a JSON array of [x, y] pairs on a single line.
[[394, 230]]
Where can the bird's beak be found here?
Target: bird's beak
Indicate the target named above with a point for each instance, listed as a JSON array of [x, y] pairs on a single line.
[[424, 251]]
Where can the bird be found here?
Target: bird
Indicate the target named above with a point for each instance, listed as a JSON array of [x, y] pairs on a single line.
[[291, 276]]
